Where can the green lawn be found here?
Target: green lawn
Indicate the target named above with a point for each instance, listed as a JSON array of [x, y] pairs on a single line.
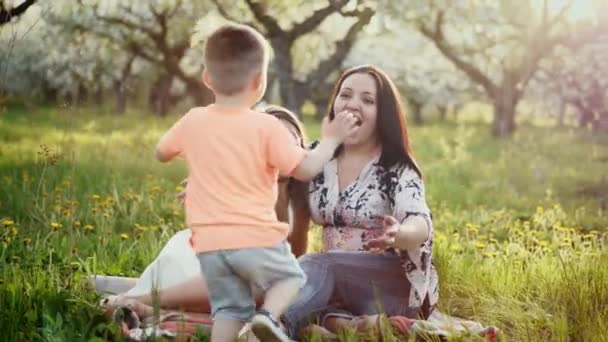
[[521, 223]]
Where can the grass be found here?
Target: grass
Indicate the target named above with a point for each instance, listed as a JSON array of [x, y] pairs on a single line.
[[521, 223]]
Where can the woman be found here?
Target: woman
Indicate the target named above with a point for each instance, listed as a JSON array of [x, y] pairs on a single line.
[[370, 197], [176, 272]]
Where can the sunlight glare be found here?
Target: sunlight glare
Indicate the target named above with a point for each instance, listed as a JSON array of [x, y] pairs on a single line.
[[579, 10]]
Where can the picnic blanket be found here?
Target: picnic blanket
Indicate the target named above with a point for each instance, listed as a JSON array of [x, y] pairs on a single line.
[[182, 326]]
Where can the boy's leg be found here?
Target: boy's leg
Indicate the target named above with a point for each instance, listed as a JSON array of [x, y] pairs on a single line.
[[280, 295], [276, 270], [225, 330], [231, 299]]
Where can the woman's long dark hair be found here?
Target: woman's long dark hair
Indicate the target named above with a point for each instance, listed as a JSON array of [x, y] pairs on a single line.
[[286, 115], [297, 191], [391, 125]]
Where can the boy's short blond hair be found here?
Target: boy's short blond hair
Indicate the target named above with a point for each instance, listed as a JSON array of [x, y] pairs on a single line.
[[234, 54]]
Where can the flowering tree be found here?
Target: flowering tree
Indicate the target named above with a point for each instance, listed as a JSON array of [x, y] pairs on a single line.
[[424, 77], [8, 13], [496, 44], [310, 40], [575, 78], [157, 32]]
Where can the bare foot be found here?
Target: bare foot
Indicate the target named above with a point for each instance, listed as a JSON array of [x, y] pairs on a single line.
[[111, 303]]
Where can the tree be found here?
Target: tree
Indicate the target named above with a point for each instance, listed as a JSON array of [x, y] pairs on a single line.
[[576, 78], [497, 44], [156, 31], [6, 15], [294, 90], [423, 76]]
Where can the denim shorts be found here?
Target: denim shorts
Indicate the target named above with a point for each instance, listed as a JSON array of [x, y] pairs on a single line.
[[231, 275]]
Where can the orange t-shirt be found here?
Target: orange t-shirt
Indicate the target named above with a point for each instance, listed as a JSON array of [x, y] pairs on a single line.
[[234, 158]]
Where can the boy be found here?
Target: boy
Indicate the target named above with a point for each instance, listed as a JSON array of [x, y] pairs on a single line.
[[234, 157]]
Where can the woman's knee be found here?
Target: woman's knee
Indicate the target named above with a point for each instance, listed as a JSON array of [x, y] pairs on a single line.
[[314, 260]]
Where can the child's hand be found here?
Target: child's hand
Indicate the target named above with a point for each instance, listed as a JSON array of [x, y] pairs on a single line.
[[343, 125]]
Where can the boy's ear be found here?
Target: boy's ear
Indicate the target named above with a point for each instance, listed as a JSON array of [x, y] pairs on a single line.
[[258, 81], [207, 79]]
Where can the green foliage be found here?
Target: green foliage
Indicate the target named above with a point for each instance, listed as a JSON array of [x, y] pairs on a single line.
[[520, 225]]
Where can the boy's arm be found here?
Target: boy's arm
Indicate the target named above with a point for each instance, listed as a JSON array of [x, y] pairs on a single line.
[[334, 133], [304, 165], [164, 154], [171, 144], [313, 162]]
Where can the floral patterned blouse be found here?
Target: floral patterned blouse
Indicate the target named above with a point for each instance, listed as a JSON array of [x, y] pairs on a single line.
[[353, 216]]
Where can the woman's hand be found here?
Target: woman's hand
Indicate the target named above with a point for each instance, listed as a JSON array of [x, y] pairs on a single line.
[[391, 226]]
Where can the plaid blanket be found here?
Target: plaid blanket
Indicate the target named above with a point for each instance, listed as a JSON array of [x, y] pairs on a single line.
[[182, 326]]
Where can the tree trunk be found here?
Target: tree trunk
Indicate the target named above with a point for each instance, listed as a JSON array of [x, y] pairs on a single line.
[[159, 98], [98, 96], [443, 111], [562, 113], [504, 116], [284, 73], [416, 111], [201, 95], [120, 92]]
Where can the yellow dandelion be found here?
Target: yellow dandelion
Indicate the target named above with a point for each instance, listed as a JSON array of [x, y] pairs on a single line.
[[14, 230], [95, 197], [493, 240], [7, 222], [440, 237], [56, 225], [88, 228], [480, 245], [124, 236], [77, 223], [547, 250], [540, 210], [456, 248], [179, 188], [106, 214], [155, 188]]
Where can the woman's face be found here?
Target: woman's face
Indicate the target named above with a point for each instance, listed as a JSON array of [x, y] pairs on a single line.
[[358, 94]]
